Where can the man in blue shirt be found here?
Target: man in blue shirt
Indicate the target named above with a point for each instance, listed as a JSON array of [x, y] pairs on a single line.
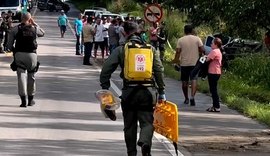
[[78, 26], [62, 23]]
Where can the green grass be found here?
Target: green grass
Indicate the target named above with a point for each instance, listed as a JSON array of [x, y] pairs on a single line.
[[245, 88], [236, 95]]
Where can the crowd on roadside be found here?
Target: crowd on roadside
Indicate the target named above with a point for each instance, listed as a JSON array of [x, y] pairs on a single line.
[[108, 33]]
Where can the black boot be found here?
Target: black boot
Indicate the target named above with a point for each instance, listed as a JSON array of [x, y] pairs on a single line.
[[31, 101], [146, 150], [23, 100]]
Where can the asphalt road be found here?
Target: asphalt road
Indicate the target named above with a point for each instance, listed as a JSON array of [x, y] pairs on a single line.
[[66, 121]]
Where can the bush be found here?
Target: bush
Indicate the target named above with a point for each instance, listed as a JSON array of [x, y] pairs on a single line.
[[253, 69], [125, 6]]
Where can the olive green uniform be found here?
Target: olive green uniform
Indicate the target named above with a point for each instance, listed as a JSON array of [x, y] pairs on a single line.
[[137, 101]]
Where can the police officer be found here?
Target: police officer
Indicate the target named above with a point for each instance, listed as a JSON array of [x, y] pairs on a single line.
[[25, 56], [138, 101]]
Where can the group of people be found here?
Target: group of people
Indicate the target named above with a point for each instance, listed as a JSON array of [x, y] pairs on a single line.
[[138, 100], [5, 26], [108, 33], [190, 54]]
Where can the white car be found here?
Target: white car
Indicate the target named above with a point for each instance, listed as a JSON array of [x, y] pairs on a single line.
[[113, 16], [92, 13]]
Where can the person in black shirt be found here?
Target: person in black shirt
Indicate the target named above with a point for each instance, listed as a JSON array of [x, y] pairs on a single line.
[[162, 39]]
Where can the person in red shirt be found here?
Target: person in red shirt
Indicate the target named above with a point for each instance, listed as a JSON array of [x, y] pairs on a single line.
[[267, 40], [153, 35], [214, 72]]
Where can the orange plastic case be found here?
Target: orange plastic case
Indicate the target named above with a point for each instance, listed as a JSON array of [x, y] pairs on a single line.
[[166, 120]]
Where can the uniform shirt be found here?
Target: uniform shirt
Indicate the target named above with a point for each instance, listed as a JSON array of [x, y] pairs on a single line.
[[117, 58], [78, 26], [189, 46], [62, 20], [215, 57], [88, 33], [99, 33]]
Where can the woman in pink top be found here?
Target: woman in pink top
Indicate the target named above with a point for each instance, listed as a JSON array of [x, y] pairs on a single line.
[[214, 72]]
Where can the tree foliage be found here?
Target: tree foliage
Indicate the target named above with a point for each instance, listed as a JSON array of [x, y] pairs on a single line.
[[237, 17]]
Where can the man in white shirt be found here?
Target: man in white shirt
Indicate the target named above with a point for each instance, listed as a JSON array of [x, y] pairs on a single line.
[[88, 39], [106, 23], [99, 38]]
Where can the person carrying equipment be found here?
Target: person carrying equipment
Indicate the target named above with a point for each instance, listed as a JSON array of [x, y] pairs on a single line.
[[142, 74]]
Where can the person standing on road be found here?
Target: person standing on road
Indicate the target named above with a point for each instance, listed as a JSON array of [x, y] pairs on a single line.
[[106, 23], [188, 50], [8, 25], [62, 23], [122, 34], [78, 26], [214, 72], [137, 100], [113, 36], [2, 31], [153, 34], [88, 39], [99, 38], [25, 56], [162, 39]]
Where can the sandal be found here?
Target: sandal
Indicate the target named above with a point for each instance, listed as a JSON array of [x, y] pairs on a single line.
[[213, 109]]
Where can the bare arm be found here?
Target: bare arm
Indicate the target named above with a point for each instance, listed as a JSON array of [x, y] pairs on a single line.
[[177, 56], [201, 51]]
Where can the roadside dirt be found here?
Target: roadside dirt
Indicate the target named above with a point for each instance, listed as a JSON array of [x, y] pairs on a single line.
[[240, 144]]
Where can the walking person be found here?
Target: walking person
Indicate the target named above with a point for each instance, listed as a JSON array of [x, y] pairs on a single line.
[[88, 39], [25, 56], [62, 23], [214, 72], [188, 50], [137, 99], [78, 26]]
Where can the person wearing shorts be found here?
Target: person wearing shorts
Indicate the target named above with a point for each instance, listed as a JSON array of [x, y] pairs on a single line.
[[62, 23], [189, 48]]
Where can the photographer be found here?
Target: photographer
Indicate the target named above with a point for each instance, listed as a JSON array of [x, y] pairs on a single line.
[[25, 56]]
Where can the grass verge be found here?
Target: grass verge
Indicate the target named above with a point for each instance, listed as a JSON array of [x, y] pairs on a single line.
[[235, 94]]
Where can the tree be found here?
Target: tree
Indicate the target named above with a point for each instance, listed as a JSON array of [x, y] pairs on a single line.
[[237, 17]]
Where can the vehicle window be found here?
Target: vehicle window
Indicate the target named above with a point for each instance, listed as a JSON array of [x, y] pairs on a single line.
[[209, 41], [9, 3], [89, 13]]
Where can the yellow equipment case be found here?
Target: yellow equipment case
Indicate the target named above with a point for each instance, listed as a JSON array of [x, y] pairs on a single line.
[[166, 121]]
